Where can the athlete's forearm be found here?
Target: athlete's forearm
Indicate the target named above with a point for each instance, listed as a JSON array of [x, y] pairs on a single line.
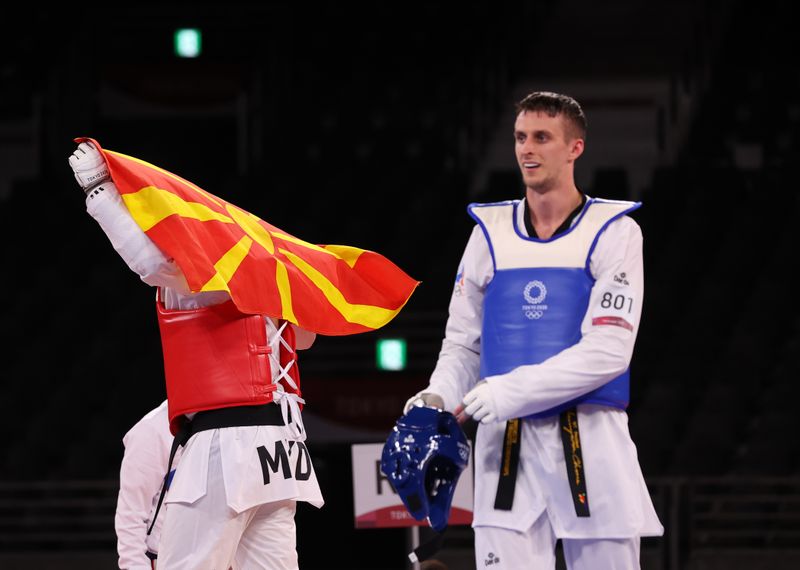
[[137, 250]]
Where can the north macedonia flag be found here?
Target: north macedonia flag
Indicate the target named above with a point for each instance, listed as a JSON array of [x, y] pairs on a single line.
[[327, 289]]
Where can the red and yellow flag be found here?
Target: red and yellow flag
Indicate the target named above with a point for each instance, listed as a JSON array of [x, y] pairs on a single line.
[[329, 289]]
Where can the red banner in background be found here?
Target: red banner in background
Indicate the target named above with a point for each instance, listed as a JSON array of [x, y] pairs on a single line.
[[369, 401]]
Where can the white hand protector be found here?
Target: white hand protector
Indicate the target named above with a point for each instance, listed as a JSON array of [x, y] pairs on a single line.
[[89, 166], [423, 399], [479, 403]]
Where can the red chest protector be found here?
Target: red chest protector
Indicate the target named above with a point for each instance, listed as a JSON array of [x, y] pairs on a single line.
[[218, 357]]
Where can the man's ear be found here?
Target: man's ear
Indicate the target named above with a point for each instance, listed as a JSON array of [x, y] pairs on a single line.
[[576, 148]]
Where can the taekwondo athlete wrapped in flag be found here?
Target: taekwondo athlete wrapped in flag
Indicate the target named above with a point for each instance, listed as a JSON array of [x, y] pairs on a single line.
[[237, 299]]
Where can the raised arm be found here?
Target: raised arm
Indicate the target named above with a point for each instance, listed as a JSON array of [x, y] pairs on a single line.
[[105, 205]]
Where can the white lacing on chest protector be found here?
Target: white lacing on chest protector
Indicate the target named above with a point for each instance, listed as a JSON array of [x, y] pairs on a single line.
[[288, 401]]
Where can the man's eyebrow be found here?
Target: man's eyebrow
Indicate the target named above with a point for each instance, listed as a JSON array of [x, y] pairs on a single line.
[[535, 132]]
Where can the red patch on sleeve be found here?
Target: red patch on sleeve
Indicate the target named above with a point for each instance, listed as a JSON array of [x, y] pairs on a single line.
[[613, 321]]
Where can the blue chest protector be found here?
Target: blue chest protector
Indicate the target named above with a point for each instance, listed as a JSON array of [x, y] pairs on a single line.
[[533, 308]]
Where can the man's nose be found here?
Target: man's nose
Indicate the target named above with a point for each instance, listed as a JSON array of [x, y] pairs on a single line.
[[526, 146]]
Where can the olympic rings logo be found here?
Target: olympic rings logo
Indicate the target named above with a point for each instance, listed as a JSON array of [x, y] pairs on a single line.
[[533, 315], [540, 296]]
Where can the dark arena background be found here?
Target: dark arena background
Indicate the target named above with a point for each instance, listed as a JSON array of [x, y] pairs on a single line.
[[375, 125]]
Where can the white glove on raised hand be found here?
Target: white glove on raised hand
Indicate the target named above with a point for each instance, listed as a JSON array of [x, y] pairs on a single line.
[[89, 166], [479, 403], [424, 399]]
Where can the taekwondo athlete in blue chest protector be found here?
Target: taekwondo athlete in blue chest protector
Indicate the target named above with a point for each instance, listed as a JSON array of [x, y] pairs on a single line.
[[543, 320]]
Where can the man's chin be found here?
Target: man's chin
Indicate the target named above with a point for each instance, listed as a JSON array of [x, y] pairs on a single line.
[[538, 186], [530, 179]]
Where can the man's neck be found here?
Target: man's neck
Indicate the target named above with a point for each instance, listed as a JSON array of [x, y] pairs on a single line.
[[548, 211]]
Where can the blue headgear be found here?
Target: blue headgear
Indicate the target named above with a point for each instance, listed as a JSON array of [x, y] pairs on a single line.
[[423, 458]]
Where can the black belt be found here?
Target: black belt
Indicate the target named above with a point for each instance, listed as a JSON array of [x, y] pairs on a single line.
[[509, 463], [261, 415], [573, 457]]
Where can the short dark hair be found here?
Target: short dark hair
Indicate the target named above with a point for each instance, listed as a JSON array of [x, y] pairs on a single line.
[[555, 104]]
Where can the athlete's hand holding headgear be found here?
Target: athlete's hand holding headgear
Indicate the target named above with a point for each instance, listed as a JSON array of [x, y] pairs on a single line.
[[424, 400], [89, 166]]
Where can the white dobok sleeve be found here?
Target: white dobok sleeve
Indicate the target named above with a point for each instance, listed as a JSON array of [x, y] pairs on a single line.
[[144, 464], [131, 243], [458, 367], [142, 255], [608, 333]]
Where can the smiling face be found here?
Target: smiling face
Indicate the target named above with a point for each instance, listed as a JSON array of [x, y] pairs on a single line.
[[546, 150]]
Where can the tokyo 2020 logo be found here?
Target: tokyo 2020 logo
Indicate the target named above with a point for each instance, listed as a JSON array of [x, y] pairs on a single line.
[[540, 292]]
